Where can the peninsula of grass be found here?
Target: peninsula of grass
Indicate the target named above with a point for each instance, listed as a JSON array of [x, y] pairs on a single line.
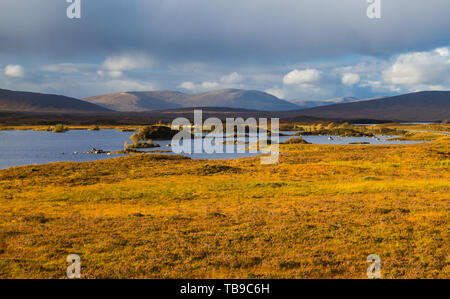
[[144, 138], [347, 130], [142, 145], [296, 140]]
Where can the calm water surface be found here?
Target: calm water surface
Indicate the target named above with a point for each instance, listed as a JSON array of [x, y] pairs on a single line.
[[39, 147]]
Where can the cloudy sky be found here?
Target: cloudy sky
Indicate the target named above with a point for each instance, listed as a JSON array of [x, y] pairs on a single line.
[[295, 49]]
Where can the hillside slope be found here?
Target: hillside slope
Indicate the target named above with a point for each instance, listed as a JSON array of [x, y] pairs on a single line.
[[38, 102], [419, 106]]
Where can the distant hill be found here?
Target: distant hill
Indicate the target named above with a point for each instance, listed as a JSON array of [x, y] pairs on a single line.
[[138, 101], [161, 100], [312, 104], [342, 100], [419, 106], [38, 102]]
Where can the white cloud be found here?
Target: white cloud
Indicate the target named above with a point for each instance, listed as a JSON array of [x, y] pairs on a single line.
[[381, 87], [210, 85], [225, 81], [112, 74], [69, 68], [420, 69], [302, 92], [126, 62], [129, 85], [276, 92], [114, 66], [232, 78], [115, 74], [204, 86], [350, 79], [443, 51], [302, 76], [188, 86], [15, 71]]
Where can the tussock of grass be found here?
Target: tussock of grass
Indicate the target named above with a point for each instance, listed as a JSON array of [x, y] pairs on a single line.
[[208, 169], [142, 145], [59, 128]]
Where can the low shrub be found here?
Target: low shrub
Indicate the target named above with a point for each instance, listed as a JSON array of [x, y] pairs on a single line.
[[60, 128]]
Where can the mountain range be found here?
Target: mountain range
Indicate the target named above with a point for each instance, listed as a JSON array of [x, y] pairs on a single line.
[[418, 107], [161, 100]]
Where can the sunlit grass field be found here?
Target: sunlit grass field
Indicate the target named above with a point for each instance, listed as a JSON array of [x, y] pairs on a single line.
[[317, 214]]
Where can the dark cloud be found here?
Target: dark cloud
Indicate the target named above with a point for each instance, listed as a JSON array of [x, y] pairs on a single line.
[[270, 31]]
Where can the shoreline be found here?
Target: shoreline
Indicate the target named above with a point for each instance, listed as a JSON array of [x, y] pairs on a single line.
[[120, 155]]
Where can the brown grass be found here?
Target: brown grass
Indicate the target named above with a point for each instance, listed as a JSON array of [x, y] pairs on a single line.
[[317, 214]]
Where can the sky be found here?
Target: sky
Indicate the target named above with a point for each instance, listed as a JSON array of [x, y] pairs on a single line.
[[299, 50]]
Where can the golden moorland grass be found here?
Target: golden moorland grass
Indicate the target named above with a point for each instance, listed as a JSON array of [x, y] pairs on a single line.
[[317, 214]]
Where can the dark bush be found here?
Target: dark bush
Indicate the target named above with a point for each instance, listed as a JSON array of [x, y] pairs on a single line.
[[156, 133]]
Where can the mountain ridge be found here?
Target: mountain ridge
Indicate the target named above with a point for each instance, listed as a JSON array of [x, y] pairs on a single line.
[[305, 104], [164, 99], [417, 106], [39, 102], [422, 106]]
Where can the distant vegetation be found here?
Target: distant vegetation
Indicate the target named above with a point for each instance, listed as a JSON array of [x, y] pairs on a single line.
[[59, 128], [127, 130], [156, 132], [144, 138], [346, 130], [146, 144]]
